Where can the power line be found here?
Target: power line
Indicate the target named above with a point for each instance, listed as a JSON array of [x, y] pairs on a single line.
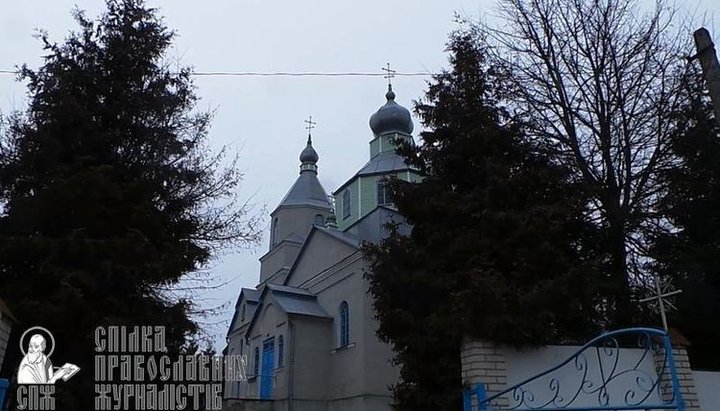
[[282, 74]]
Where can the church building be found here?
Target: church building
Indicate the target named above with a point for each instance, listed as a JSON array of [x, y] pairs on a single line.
[[308, 328]]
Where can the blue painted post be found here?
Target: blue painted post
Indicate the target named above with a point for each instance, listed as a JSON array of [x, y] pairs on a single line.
[[467, 400], [673, 374], [482, 397], [3, 392]]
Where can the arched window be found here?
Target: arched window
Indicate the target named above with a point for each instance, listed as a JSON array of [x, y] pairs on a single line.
[[256, 365], [346, 204], [384, 196], [281, 351], [274, 235], [344, 324], [274, 232], [319, 220]]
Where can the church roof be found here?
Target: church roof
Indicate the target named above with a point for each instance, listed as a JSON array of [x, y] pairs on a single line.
[[291, 300], [338, 235], [351, 241], [297, 301], [382, 163], [307, 190], [251, 295]]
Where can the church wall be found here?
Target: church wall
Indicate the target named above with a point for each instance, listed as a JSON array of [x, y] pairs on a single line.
[[351, 368], [368, 191], [362, 368], [343, 223], [367, 194], [294, 220], [283, 255], [374, 147], [380, 374], [235, 389], [237, 346], [347, 362], [310, 359], [321, 254], [372, 227], [707, 383]]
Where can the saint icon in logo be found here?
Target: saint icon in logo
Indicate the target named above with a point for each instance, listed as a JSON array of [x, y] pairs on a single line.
[[35, 367]]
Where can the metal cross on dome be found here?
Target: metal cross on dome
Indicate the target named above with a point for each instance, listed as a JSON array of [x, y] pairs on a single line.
[[390, 73], [662, 289], [310, 124]]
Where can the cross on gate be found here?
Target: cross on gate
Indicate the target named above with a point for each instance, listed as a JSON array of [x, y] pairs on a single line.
[[662, 289]]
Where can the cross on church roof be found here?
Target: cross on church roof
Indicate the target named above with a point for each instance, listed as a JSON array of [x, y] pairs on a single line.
[[662, 290], [390, 73], [310, 125]]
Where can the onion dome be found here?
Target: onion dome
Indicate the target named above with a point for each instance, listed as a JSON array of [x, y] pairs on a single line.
[[308, 157], [391, 118]]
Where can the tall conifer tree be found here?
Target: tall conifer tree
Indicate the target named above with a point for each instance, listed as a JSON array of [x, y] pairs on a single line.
[[498, 249], [109, 195]]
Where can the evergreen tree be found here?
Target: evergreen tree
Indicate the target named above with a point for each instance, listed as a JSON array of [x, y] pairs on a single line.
[[109, 196], [499, 248], [689, 254]]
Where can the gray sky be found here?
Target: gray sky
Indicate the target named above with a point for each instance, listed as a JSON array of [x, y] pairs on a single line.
[[262, 117]]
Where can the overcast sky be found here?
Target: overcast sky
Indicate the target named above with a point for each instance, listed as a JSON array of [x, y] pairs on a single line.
[[261, 118]]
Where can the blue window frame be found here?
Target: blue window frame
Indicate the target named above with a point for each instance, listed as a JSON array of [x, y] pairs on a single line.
[[256, 362], [344, 324], [346, 204], [281, 351]]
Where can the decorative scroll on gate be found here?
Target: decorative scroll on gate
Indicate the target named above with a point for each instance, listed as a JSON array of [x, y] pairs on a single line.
[[596, 378]]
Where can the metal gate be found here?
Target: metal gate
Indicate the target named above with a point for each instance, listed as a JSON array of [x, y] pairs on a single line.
[[594, 379]]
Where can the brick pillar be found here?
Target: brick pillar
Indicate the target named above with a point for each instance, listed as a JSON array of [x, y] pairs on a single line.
[[684, 375], [483, 362], [685, 379]]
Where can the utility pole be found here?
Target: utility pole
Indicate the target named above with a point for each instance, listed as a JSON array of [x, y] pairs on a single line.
[[710, 66]]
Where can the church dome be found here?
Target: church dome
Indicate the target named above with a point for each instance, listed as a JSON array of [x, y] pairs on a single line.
[[309, 155], [391, 117]]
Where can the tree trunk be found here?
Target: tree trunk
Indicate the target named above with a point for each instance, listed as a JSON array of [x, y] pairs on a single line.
[[623, 311]]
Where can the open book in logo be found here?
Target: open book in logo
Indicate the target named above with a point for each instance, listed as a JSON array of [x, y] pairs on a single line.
[[35, 367]]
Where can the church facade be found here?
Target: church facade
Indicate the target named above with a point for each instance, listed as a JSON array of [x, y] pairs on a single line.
[[308, 328]]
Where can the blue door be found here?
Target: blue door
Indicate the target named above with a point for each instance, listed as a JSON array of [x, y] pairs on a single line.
[[268, 368]]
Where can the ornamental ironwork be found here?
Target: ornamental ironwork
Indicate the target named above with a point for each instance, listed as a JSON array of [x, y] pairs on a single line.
[[628, 369]]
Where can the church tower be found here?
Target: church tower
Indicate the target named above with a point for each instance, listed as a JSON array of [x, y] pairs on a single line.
[[309, 328], [366, 190], [306, 204]]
